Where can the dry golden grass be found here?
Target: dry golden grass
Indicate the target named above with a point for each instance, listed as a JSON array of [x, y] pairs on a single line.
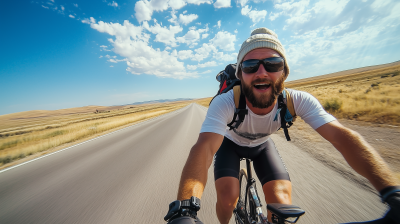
[[371, 96], [204, 101], [19, 140]]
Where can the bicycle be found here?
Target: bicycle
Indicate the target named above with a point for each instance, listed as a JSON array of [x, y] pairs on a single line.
[[248, 208]]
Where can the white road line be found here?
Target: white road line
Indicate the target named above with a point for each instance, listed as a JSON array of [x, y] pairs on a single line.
[[41, 157]]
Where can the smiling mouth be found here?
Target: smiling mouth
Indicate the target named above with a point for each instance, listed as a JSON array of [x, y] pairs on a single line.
[[262, 86]]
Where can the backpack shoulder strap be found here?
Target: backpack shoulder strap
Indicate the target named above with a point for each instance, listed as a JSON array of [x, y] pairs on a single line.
[[290, 105], [240, 107], [282, 108], [236, 95]]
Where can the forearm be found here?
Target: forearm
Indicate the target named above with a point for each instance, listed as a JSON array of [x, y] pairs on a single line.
[[194, 174], [364, 159]]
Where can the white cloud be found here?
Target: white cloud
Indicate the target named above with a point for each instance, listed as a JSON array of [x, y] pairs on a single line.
[[113, 4], [132, 44], [104, 48], [345, 39], [176, 4], [242, 2], [191, 67], [273, 16], [174, 18], [111, 66], [236, 31], [144, 8], [219, 23], [62, 8], [203, 36], [203, 52], [190, 38], [125, 31], [198, 2], [225, 57], [224, 40], [76, 5], [205, 72], [164, 34], [116, 60], [101, 56], [87, 21], [207, 64], [186, 19], [185, 54], [255, 15], [301, 12], [45, 7], [222, 4], [143, 11], [379, 4], [71, 16]]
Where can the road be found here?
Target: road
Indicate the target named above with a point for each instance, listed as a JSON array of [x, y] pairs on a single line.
[[131, 175]]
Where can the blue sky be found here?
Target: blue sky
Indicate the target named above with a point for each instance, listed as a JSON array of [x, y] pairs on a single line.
[[59, 54]]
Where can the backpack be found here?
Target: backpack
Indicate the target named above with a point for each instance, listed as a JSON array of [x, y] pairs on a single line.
[[228, 81]]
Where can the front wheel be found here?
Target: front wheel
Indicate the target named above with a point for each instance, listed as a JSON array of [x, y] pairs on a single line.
[[245, 210]]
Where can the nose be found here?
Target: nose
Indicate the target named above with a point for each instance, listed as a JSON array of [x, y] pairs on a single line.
[[261, 72]]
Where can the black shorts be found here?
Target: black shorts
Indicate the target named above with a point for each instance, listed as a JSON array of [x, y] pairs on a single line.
[[267, 162]]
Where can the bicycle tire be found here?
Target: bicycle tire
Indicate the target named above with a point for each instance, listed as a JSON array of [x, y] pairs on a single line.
[[241, 211]]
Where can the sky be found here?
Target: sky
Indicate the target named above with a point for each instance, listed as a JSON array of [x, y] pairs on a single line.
[[59, 54]]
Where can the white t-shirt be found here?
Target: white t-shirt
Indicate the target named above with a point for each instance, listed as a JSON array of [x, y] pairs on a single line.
[[256, 129]]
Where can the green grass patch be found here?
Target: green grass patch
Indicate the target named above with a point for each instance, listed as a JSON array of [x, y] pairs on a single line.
[[55, 133], [9, 144], [332, 105]]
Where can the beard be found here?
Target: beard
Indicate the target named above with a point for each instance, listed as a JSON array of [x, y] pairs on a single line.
[[264, 100]]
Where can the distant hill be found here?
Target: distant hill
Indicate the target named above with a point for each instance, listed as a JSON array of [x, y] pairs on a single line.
[[158, 101], [341, 73]]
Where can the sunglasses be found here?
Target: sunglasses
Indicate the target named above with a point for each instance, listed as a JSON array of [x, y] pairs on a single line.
[[274, 64]]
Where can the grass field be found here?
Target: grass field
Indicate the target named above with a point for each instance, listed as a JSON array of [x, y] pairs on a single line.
[[34, 133], [371, 95]]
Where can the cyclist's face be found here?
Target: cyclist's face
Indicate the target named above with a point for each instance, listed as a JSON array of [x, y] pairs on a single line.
[[262, 96]]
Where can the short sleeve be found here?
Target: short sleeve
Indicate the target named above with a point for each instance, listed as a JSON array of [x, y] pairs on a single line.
[[219, 114], [310, 110]]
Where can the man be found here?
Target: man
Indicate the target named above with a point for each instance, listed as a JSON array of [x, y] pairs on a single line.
[[262, 68]]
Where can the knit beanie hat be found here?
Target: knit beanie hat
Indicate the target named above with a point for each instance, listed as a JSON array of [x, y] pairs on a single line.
[[261, 38]]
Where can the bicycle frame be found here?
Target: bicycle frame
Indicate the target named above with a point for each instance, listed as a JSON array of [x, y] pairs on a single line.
[[253, 193]]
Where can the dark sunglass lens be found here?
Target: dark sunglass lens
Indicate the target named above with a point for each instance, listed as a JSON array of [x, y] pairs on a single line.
[[274, 64], [250, 66]]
